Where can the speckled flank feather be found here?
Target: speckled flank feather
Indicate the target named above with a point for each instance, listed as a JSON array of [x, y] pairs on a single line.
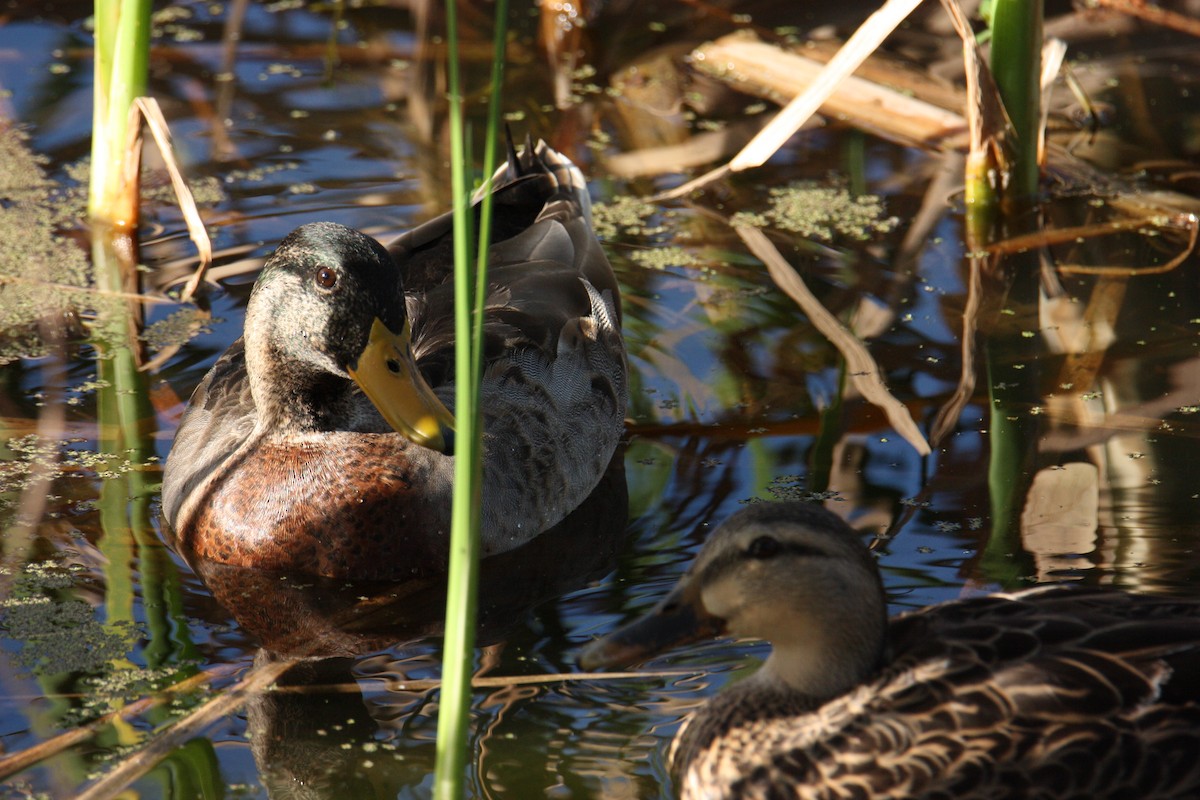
[[1055, 692], [281, 462]]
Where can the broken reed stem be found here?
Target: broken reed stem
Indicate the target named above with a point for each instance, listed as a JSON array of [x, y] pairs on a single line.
[[864, 41], [122, 56], [864, 372]]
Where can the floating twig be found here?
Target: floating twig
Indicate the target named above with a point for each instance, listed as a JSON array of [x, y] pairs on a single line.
[[147, 108], [863, 371], [24, 759], [858, 47]]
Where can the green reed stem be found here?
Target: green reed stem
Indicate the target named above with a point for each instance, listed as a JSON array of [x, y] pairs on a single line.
[[458, 655], [1017, 66], [122, 55], [499, 42], [455, 703]]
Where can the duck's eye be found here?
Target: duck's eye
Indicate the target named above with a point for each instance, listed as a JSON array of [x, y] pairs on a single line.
[[326, 278], [764, 547]]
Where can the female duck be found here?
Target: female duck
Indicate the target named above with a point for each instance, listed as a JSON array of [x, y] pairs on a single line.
[[1046, 693], [282, 461]]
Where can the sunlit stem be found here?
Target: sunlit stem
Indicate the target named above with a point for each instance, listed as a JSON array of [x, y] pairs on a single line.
[[1016, 65], [491, 142], [980, 197], [122, 54], [455, 704]]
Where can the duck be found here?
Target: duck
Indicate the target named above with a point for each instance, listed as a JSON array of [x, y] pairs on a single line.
[[322, 441], [1054, 691]]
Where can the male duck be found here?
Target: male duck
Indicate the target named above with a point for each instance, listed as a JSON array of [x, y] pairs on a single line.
[[282, 462], [1051, 692]]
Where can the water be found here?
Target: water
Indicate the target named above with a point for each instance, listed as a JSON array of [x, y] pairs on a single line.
[[730, 387]]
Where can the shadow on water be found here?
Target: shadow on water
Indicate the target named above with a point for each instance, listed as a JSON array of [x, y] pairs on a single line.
[[1069, 457]]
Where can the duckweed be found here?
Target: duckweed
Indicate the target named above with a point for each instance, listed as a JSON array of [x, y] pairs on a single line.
[[821, 212], [177, 329], [35, 264], [664, 257], [59, 635], [47, 276], [52, 460], [624, 215]]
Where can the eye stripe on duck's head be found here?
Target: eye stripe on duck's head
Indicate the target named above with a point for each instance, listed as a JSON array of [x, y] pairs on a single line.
[[770, 572], [768, 531], [794, 574]]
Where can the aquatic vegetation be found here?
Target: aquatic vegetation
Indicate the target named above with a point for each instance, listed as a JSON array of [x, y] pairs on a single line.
[[821, 212], [664, 257], [59, 634], [625, 216], [44, 275]]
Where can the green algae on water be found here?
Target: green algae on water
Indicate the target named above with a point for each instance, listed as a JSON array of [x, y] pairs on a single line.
[[624, 216], [821, 212], [38, 267], [664, 257], [59, 635], [177, 329], [53, 460], [46, 273]]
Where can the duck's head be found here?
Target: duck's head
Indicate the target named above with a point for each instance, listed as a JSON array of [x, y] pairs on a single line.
[[793, 574], [329, 309]]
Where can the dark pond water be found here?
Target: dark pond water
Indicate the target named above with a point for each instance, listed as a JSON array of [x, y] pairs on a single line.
[[333, 113]]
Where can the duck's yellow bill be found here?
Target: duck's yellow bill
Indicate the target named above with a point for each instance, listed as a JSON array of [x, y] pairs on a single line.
[[388, 375]]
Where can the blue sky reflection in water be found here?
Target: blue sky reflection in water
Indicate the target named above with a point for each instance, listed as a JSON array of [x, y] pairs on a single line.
[[731, 386]]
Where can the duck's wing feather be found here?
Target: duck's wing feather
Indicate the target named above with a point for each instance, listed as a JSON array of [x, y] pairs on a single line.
[[1052, 693], [220, 416], [542, 258]]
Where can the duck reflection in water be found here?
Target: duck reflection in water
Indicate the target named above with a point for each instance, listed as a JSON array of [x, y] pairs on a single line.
[[312, 735]]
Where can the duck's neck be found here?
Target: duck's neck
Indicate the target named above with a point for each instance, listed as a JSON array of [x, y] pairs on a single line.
[[825, 667], [293, 396]]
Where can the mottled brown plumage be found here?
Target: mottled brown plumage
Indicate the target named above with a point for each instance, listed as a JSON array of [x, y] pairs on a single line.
[[281, 462], [1053, 692]]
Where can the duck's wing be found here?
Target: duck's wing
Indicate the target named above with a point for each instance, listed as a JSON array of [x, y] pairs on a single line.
[[220, 417], [426, 253], [530, 189], [1055, 693], [544, 264]]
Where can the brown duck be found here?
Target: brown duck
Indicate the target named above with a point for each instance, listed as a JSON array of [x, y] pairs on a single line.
[[282, 461], [1053, 692]]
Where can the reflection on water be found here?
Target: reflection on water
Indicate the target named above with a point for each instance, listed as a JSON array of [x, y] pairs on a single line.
[[734, 396]]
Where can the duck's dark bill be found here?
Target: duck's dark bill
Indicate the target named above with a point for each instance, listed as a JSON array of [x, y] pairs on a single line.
[[389, 376], [680, 618]]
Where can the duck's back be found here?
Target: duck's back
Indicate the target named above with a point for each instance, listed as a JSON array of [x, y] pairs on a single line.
[[1053, 693]]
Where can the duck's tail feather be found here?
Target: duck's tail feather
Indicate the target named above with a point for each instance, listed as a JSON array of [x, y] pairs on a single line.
[[539, 158]]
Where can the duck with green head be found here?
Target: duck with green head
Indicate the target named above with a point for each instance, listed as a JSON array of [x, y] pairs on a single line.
[[1052, 692], [322, 440]]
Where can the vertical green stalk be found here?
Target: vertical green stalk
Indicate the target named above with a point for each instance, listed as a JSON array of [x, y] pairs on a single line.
[[458, 656], [1011, 362], [457, 659], [1014, 389], [1016, 65], [491, 142], [122, 55]]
